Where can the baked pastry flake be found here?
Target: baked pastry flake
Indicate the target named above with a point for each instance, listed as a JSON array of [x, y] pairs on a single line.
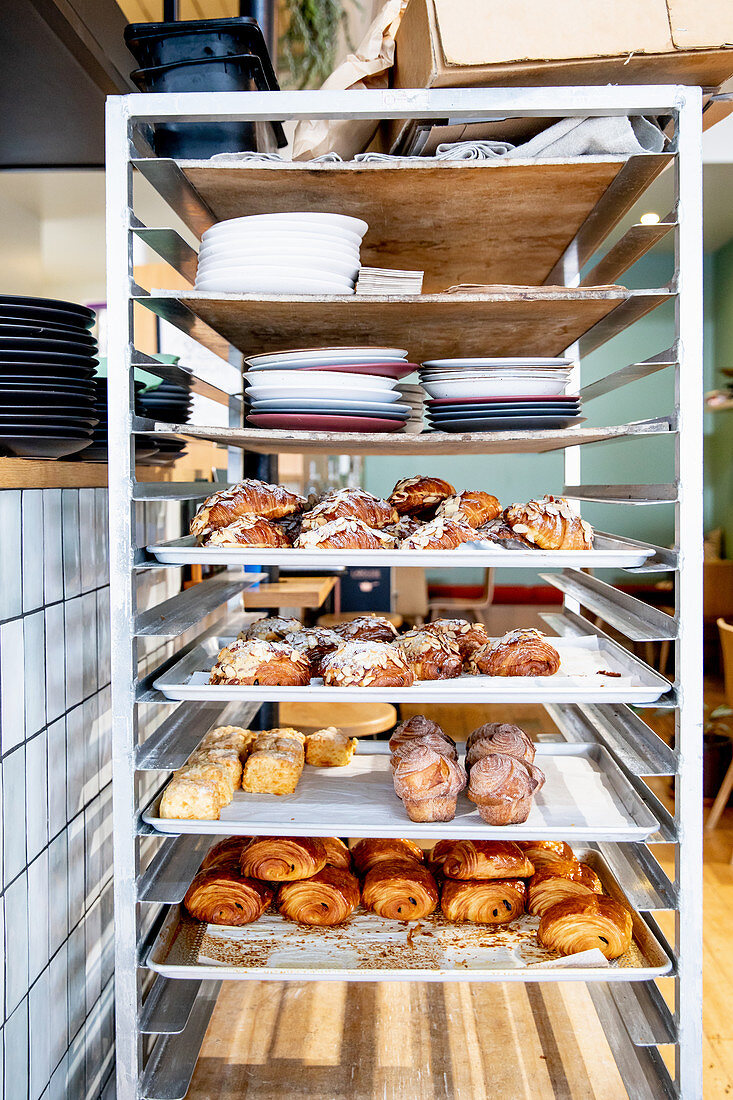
[[357, 503], [367, 853], [468, 636], [582, 923], [222, 896], [346, 533], [472, 506], [400, 890], [438, 534], [542, 852], [419, 726], [480, 859], [502, 787], [518, 653], [337, 854], [315, 642], [248, 496], [430, 655], [498, 737], [283, 858], [271, 628], [555, 882], [267, 663], [245, 530], [550, 524], [428, 784], [492, 901], [225, 853], [366, 628], [412, 495], [329, 748], [327, 898], [366, 664]]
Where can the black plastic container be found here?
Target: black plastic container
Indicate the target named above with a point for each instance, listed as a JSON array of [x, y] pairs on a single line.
[[154, 44]]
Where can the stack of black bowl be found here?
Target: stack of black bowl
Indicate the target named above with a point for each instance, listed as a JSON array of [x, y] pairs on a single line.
[[204, 55], [172, 404], [97, 450], [47, 360]]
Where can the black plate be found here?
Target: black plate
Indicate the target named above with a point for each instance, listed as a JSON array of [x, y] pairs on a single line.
[[75, 408], [53, 390], [29, 360], [32, 345], [46, 303], [24, 315], [34, 446], [12, 326]]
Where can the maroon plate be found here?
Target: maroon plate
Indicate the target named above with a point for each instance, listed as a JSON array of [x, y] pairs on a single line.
[[477, 399], [322, 423], [384, 370]]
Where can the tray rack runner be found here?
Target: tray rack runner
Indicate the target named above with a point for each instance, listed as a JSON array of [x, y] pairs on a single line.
[[571, 207]]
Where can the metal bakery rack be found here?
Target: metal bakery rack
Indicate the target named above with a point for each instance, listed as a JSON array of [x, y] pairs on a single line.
[[536, 224]]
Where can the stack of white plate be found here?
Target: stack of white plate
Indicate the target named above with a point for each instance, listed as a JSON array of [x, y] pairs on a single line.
[[414, 396], [329, 389], [489, 394], [299, 253]]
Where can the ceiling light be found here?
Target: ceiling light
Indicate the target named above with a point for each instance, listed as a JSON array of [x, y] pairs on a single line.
[[650, 219]]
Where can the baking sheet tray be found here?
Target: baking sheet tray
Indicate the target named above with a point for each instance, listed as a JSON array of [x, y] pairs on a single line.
[[607, 552], [369, 948], [585, 796], [578, 681]]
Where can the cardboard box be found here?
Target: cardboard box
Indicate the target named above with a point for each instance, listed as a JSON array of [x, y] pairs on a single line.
[[480, 43]]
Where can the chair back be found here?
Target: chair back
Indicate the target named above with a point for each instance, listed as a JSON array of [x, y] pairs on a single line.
[[726, 643]]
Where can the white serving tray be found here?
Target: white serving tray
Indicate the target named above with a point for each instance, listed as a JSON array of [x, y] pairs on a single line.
[[585, 796], [607, 553], [577, 681], [370, 948]]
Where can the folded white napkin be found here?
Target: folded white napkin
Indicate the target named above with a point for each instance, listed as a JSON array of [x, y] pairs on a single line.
[[571, 137]]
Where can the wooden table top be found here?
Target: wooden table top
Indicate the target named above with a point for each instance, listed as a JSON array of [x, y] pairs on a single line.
[[290, 592]]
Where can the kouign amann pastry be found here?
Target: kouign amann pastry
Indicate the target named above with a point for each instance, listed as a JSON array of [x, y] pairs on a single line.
[[327, 898], [430, 655], [428, 784], [267, 663], [542, 852], [283, 858], [518, 653], [347, 533], [400, 890], [419, 726], [337, 854], [274, 765], [329, 748], [367, 853], [372, 511], [223, 896], [557, 881], [225, 853], [438, 534], [472, 506], [467, 636], [498, 737], [246, 530], [550, 524], [271, 628], [366, 628], [249, 496], [582, 923], [480, 859], [496, 901], [438, 742], [502, 787], [366, 664], [412, 495], [315, 642]]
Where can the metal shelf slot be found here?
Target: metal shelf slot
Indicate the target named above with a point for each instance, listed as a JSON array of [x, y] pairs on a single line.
[[173, 741], [170, 1066], [645, 1014], [640, 875], [632, 373], [636, 620], [168, 1006], [171, 247], [634, 244], [615, 725], [624, 494], [175, 490], [169, 873], [169, 181], [175, 616], [172, 372], [642, 1069]]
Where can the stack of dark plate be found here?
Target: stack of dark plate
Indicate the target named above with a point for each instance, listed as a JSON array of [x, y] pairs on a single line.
[[47, 358], [167, 402], [97, 450]]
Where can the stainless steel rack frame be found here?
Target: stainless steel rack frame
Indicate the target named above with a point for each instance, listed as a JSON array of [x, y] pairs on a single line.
[[161, 1021]]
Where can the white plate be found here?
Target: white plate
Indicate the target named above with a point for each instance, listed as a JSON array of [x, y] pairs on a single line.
[[500, 387], [316, 379], [328, 356], [506, 361], [284, 238], [272, 245], [267, 394], [344, 405], [298, 265], [273, 284], [305, 218], [347, 263], [449, 375]]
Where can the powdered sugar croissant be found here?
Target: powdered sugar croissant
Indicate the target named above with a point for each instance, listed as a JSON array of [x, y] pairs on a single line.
[[472, 506]]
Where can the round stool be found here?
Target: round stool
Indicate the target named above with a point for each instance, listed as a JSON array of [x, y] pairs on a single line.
[[355, 719]]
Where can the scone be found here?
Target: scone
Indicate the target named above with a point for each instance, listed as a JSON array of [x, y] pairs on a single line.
[[329, 748]]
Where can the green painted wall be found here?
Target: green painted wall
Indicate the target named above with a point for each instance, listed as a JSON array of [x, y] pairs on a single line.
[[719, 426], [520, 477]]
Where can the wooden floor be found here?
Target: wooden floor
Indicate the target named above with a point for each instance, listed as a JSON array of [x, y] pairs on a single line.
[[329, 1041]]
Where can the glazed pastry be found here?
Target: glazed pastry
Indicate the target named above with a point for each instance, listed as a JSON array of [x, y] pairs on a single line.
[[270, 629], [326, 899], [248, 496], [428, 784], [348, 533], [366, 854], [557, 881], [498, 531], [472, 506], [498, 737], [187, 797], [495, 901], [283, 858], [366, 628], [518, 653], [267, 663], [222, 896], [419, 726], [315, 642], [438, 742], [582, 923], [438, 534], [468, 636], [550, 524], [400, 890], [275, 764], [246, 530], [430, 655], [372, 511], [544, 852], [226, 853], [480, 859], [412, 495], [366, 664], [502, 787], [337, 854], [329, 748]]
